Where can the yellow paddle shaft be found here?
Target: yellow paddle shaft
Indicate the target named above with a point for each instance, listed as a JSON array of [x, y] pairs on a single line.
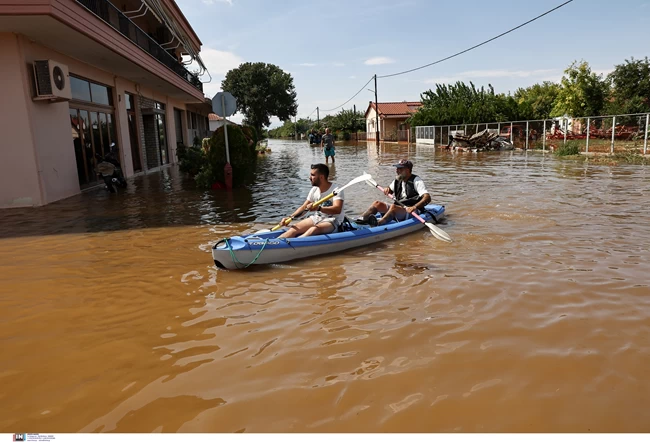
[[316, 204]]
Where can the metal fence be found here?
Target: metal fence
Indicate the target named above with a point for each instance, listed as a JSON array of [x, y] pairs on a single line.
[[400, 135], [606, 134]]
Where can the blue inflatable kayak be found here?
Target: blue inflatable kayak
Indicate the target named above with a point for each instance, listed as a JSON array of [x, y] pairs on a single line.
[[239, 252]]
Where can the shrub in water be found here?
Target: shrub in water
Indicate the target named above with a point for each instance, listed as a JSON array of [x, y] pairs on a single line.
[[243, 157], [571, 147], [205, 160], [191, 160]]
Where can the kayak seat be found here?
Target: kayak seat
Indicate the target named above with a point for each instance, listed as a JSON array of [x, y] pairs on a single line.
[[346, 226]]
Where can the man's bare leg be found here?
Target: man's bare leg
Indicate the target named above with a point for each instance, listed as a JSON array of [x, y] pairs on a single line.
[[377, 206], [319, 229], [394, 212], [298, 228]]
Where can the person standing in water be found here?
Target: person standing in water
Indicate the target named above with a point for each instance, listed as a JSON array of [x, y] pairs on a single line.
[[328, 143]]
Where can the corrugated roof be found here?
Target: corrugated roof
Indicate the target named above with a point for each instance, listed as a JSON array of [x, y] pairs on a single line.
[[395, 108]]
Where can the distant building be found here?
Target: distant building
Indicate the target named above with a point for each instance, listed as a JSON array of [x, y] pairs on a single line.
[[392, 120], [216, 122], [79, 75]]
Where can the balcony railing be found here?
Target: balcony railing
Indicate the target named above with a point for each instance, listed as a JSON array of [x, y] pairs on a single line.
[[122, 24]]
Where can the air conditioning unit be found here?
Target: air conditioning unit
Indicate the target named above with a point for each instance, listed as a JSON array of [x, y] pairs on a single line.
[[52, 81]]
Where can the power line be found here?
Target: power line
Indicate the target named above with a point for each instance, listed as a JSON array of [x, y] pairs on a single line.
[[310, 114], [304, 118], [449, 57], [478, 45], [352, 98]]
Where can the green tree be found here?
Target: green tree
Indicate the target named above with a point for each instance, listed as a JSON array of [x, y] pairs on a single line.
[[325, 122], [630, 87], [348, 120], [304, 125], [206, 163], [243, 157], [582, 92], [536, 102], [289, 127], [262, 91], [462, 103], [286, 130]]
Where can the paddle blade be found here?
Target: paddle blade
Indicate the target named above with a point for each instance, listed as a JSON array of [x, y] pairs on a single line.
[[438, 232], [371, 182], [360, 179]]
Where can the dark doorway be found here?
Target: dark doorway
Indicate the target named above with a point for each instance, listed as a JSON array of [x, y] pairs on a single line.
[[133, 133]]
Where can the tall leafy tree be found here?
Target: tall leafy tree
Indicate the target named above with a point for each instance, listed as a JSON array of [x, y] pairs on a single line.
[[262, 91], [536, 102], [582, 92], [462, 103], [348, 120], [630, 87], [289, 127]]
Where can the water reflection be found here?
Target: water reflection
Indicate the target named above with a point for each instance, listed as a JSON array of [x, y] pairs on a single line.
[[115, 313]]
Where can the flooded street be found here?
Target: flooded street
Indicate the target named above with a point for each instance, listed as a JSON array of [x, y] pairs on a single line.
[[536, 317]]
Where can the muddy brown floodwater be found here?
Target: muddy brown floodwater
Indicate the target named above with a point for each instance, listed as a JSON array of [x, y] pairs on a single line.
[[536, 317]]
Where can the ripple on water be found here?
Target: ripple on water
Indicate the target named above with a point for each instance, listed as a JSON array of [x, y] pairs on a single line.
[[533, 319]]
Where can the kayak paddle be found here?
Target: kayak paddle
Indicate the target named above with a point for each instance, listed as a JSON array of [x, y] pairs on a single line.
[[435, 231]]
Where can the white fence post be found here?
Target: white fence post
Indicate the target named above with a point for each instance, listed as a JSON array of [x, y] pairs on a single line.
[[527, 135], [544, 137], [566, 129], [511, 142], [499, 128], [611, 148], [645, 139], [588, 129]]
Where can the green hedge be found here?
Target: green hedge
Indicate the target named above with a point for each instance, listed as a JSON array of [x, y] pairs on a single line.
[[206, 163]]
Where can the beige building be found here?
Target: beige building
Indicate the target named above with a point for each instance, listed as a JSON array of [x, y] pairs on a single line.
[[79, 75], [392, 120]]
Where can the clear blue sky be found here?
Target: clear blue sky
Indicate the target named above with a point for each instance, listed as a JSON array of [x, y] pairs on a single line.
[[333, 47]]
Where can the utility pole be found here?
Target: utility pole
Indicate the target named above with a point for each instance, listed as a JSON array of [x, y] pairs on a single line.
[[356, 132], [318, 117], [376, 113]]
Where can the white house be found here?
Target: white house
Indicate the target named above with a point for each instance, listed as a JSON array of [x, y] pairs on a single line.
[[216, 122]]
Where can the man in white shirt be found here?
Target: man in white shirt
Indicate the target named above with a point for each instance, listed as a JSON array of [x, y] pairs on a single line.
[[411, 192], [328, 216]]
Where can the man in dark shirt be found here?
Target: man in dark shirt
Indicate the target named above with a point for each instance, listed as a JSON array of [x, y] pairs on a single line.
[[328, 143]]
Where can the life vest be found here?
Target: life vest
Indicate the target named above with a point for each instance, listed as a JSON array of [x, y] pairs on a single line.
[[412, 197]]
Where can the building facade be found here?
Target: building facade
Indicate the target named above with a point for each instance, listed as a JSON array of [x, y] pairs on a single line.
[[81, 75], [392, 125]]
